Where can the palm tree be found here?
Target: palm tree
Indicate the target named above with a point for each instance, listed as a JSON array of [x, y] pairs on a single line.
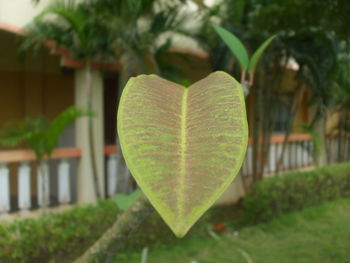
[[312, 32], [41, 136], [342, 103], [73, 29]]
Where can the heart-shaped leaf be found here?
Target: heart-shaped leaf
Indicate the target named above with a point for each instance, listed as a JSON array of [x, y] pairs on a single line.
[[183, 146]]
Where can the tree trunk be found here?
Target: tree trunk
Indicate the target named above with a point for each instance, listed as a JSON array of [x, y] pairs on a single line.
[[341, 136], [347, 141], [320, 142], [296, 103], [256, 136], [105, 248], [43, 173]]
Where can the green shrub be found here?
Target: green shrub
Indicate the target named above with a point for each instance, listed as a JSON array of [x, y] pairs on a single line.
[[55, 237], [293, 191], [62, 237]]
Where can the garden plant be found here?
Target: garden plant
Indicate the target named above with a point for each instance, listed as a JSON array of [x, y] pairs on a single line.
[[41, 136]]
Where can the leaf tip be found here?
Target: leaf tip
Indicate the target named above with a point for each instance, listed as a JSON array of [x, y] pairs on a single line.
[[180, 231], [180, 234]]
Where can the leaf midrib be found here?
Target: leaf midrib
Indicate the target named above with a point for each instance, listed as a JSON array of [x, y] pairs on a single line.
[[183, 149]]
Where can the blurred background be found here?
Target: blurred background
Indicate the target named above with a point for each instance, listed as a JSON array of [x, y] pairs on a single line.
[[56, 55]]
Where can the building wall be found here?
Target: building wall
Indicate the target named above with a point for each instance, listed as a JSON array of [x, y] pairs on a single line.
[[24, 94], [31, 86], [19, 12], [30, 96]]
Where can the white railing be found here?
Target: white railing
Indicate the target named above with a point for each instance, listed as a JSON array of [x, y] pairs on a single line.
[[111, 169], [338, 148], [297, 153], [118, 177], [21, 184]]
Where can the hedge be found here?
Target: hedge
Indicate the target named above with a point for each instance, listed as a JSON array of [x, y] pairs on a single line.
[[55, 237], [293, 191], [63, 237]]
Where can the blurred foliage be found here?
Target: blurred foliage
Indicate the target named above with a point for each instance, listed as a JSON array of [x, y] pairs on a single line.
[[136, 33], [294, 191], [64, 236], [342, 79], [295, 16], [311, 33], [131, 31], [55, 237], [314, 34], [40, 134]]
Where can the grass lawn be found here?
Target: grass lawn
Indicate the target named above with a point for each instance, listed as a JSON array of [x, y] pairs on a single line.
[[320, 234]]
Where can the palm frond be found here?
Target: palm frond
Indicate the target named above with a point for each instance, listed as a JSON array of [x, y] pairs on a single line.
[[62, 121], [38, 133], [29, 131], [70, 13]]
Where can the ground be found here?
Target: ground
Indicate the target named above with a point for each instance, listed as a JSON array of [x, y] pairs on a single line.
[[320, 234]]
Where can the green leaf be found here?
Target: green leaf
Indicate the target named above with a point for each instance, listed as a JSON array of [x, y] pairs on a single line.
[[124, 202], [184, 146], [257, 54], [56, 127], [235, 45], [71, 14], [38, 133], [13, 134], [29, 131]]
